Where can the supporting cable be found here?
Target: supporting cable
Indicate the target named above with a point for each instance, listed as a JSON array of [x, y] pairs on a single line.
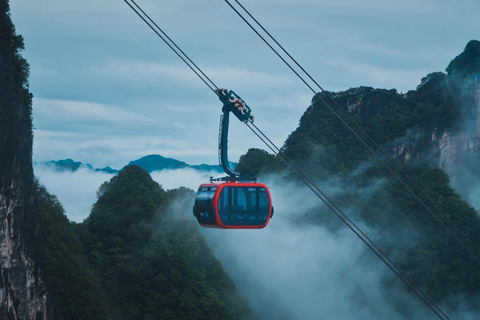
[[210, 84], [442, 218]]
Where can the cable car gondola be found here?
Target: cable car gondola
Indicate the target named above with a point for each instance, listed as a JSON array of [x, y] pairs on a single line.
[[232, 202], [233, 205]]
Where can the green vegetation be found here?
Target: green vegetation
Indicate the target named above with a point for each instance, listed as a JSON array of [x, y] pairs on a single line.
[[429, 254], [391, 118], [467, 63], [15, 104], [139, 255], [255, 160], [407, 126], [75, 287]]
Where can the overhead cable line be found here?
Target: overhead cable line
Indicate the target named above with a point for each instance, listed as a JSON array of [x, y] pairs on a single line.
[[304, 178], [171, 45], [441, 217], [349, 223]]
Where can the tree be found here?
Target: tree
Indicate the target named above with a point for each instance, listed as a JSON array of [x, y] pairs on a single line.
[[75, 287], [152, 261], [255, 161]]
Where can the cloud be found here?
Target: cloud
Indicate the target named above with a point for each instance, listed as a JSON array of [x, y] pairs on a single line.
[[102, 134], [71, 115], [474, 197], [293, 269], [148, 71], [111, 135], [117, 151], [377, 6], [75, 190]]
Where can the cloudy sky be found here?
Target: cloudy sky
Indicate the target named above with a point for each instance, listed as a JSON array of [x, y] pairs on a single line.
[[108, 90]]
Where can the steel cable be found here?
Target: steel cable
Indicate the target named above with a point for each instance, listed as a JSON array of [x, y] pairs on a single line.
[[206, 79], [307, 181], [443, 219], [349, 223]]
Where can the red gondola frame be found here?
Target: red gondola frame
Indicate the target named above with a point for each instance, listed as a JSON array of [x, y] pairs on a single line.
[[220, 186]]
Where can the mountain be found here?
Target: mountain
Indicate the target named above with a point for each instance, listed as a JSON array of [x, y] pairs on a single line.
[[149, 163], [432, 134], [150, 257], [72, 166], [155, 162], [139, 255], [439, 122], [67, 165]]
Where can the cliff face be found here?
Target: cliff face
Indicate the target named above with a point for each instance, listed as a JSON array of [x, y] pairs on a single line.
[[23, 294], [462, 145], [467, 139], [439, 122]]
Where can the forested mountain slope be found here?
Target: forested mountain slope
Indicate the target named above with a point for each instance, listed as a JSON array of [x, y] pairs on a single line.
[[138, 256], [150, 258], [411, 126], [425, 130]]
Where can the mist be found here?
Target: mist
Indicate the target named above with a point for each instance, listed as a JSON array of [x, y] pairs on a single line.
[[75, 190], [293, 268], [464, 145]]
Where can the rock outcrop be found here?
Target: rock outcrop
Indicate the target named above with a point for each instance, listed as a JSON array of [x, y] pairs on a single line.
[[463, 144], [23, 294]]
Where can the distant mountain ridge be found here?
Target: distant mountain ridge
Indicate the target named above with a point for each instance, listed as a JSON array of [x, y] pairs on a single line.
[[72, 166], [150, 163]]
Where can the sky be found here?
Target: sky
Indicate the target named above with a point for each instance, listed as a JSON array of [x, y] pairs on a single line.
[[107, 90]]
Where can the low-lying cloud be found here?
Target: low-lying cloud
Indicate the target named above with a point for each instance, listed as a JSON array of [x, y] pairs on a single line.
[[77, 190], [296, 270], [292, 269]]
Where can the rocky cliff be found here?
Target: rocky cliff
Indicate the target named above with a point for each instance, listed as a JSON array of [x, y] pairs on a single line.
[[23, 294], [466, 138], [439, 121], [459, 147]]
